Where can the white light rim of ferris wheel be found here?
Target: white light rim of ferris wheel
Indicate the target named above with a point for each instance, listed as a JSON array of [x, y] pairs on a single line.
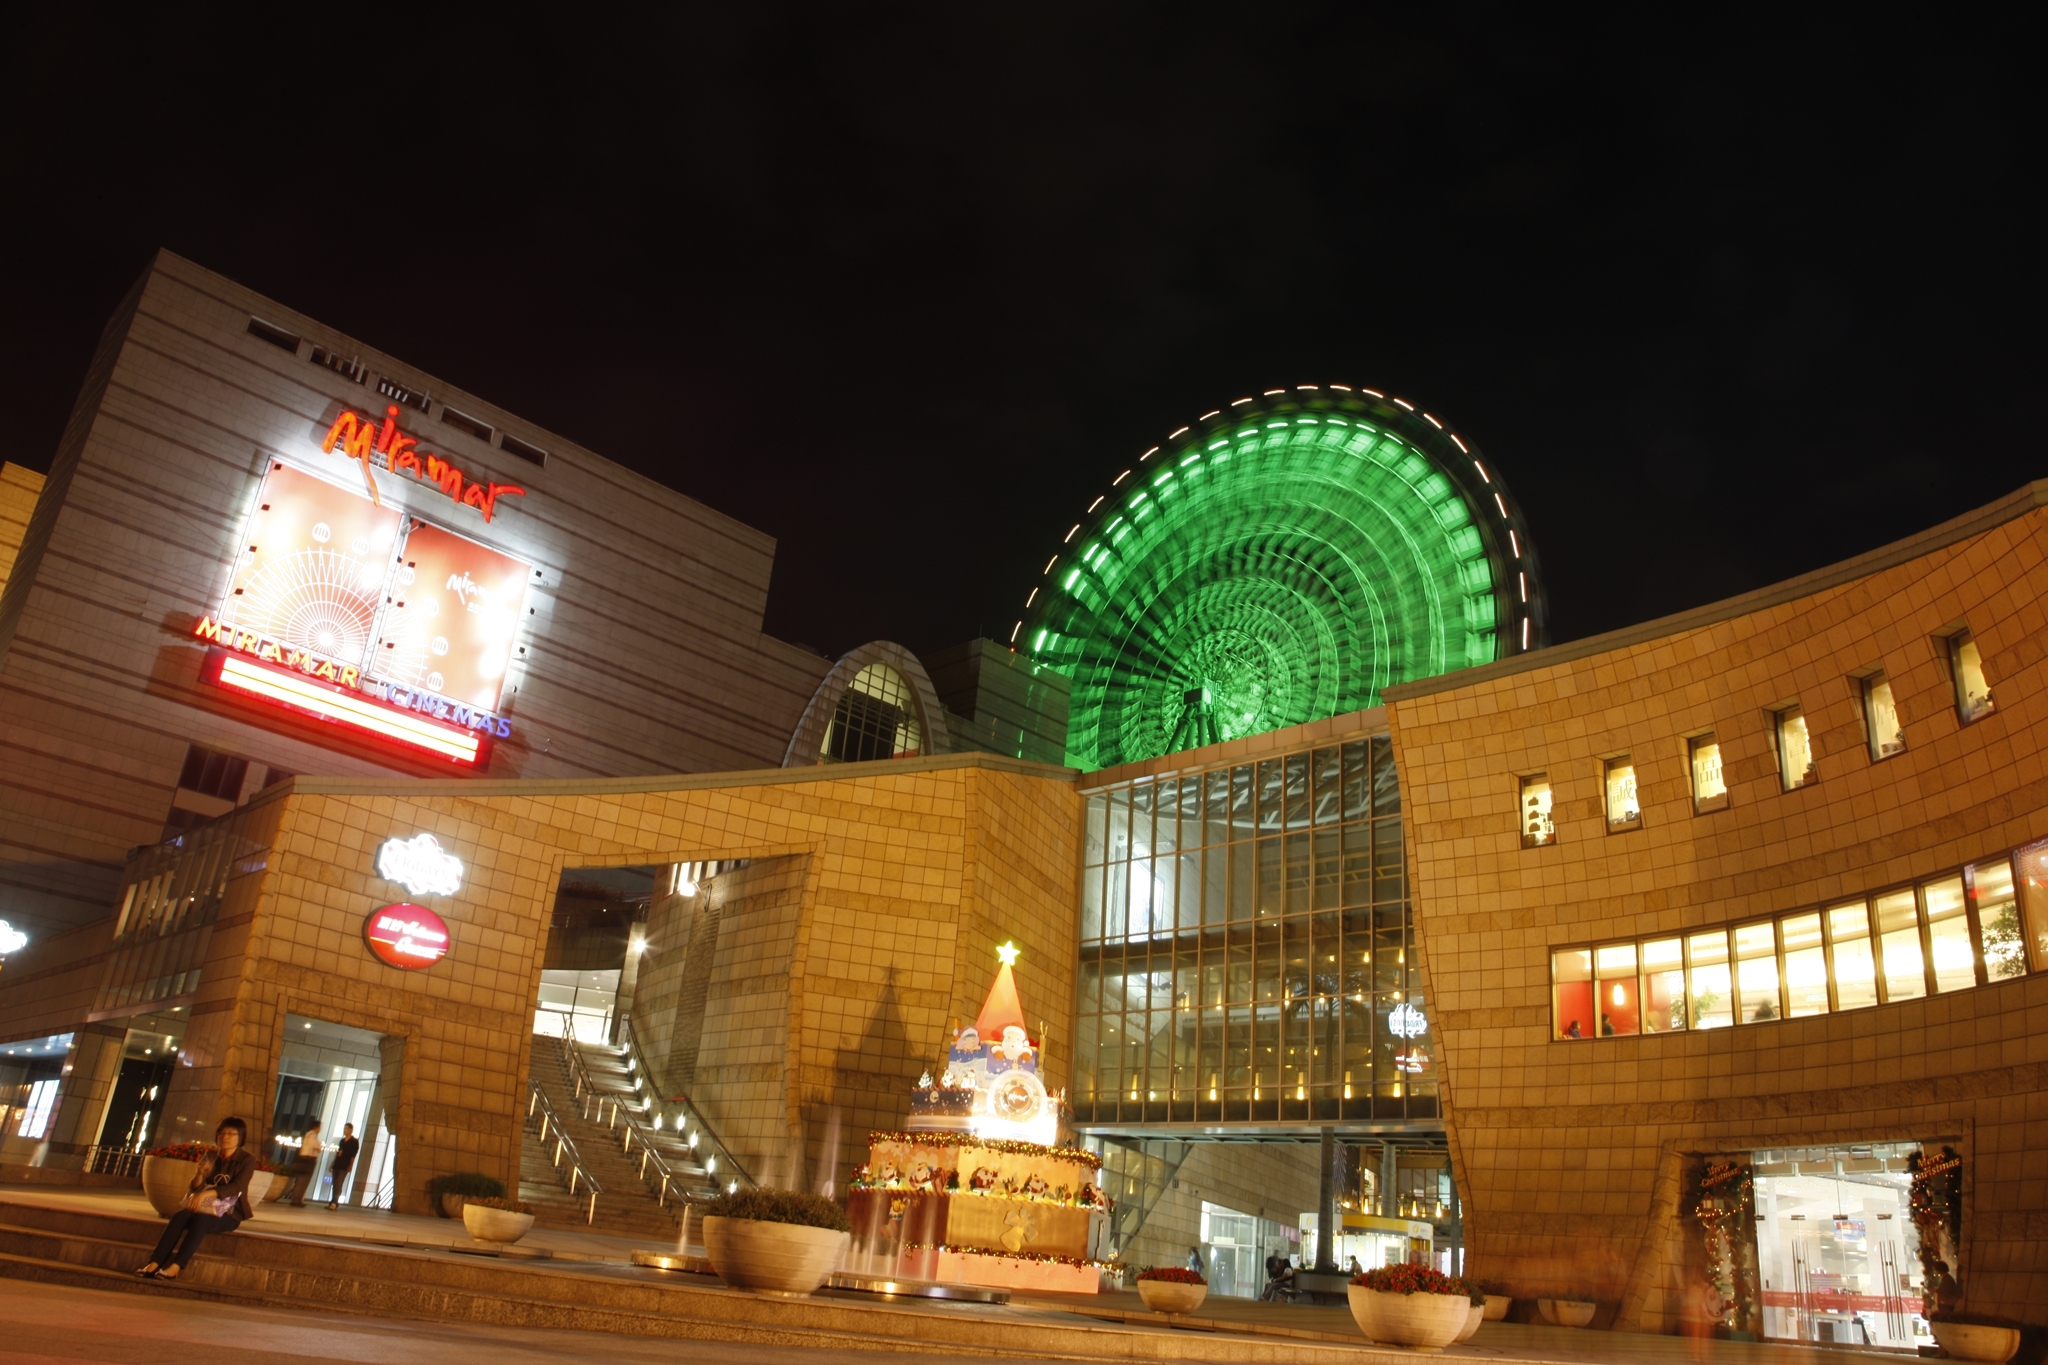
[[1407, 1021]]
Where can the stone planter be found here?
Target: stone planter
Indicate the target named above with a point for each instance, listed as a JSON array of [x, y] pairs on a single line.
[[1974, 1341], [495, 1225], [259, 1188], [1497, 1306], [451, 1205], [1428, 1321], [1168, 1296], [783, 1258], [166, 1181], [1475, 1313], [1566, 1312]]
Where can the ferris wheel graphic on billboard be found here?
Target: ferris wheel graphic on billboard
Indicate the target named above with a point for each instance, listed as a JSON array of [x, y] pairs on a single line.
[[313, 569]]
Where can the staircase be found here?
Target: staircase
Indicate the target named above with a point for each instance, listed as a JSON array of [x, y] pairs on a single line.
[[1135, 1173], [625, 1206]]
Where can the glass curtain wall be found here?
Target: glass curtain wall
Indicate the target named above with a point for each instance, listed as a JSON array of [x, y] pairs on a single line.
[[1247, 952]]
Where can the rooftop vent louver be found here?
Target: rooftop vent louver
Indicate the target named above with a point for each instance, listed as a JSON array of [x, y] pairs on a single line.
[[398, 393], [462, 421], [276, 336], [512, 445], [348, 367]]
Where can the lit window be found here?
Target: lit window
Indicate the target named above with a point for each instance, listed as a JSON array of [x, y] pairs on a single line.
[[2032, 875], [1795, 748], [1712, 1000], [1881, 718], [1663, 985], [1998, 919], [42, 1098], [1572, 987], [1855, 968], [1624, 811], [1709, 787], [1619, 1012], [1806, 967], [1537, 826], [1898, 946], [1948, 934], [1756, 971], [1973, 693]]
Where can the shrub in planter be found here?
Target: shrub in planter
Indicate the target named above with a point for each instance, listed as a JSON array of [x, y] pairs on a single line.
[[1498, 1299], [1975, 1336], [168, 1173], [497, 1220], [448, 1193], [1172, 1289], [1409, 1305], [783, 1241]]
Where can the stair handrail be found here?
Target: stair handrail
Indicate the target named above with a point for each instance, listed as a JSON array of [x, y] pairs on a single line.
[[638, 1062], [537, 1103]]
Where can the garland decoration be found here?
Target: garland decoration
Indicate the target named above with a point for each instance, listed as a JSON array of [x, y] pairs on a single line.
[[1724, 1205], [1936, 1208], [1038, 1256], [1001, 1146]]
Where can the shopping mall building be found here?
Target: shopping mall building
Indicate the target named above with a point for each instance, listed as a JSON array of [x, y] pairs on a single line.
[[369, 745]]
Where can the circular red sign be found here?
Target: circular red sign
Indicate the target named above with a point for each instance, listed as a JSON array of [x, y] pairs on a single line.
[[406, 936]]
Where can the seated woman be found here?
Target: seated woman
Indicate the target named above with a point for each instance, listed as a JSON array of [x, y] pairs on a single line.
[[218, 1202]]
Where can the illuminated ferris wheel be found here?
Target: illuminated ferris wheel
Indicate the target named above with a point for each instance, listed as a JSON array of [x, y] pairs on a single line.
[[1280, 560], [314, 598]]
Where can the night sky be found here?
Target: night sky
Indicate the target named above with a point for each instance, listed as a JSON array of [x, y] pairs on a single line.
[[906, 286]]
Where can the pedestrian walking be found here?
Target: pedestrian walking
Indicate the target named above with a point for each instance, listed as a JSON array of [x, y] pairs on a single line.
[[218, 1201], [305, 1167], [344, 1162]]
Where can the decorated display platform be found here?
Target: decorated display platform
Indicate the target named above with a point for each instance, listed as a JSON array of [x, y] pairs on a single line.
[[973, 1190]]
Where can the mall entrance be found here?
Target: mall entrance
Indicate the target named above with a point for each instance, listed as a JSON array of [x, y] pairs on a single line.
[[340, 1076]]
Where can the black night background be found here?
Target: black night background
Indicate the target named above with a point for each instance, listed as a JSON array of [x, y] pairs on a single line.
[[1725, 297]]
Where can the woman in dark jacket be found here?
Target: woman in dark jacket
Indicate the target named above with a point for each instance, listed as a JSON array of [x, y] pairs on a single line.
[[218, 1202]]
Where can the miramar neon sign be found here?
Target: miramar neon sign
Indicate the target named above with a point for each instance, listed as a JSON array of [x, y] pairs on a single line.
[[361, 438]]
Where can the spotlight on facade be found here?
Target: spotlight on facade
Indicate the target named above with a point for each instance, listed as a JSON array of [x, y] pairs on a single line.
[[12, 940]]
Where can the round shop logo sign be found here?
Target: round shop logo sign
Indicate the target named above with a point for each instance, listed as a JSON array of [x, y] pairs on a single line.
[[406, 936], [420, 866]]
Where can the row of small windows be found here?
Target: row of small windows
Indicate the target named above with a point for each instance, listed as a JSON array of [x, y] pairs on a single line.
[[1979, 924], [355, 371], [1622, 807]]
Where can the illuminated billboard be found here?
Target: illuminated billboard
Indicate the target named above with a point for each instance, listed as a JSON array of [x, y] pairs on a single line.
[[356, 614]]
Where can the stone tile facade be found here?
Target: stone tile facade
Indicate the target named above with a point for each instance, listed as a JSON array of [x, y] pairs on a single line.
[[1570, 1154]]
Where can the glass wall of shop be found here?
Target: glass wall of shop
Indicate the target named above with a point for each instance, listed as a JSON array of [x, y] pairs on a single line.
[[339, 1076], [1964, 928], [1246, 947], [1235, 1247], [31, 1072], [1838, 1254]]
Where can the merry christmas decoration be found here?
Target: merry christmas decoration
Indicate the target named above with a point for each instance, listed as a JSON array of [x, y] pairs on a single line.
[[973, 1189]]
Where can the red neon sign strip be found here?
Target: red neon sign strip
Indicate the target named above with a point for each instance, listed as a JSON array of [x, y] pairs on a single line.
[[304, 694]]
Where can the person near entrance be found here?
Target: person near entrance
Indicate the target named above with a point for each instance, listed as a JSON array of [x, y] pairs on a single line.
[[218, 1201], [305, 1167], [344, 1162]]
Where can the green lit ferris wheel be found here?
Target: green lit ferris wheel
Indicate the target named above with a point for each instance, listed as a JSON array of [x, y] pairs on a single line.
[[1281, 560]]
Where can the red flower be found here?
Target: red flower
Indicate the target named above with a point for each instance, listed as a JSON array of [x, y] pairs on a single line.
[[1410, 1279], [1172, 1274]]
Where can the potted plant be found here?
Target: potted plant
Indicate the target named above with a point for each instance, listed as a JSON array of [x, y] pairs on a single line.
[[1475, 1311], [1566, 1312], [783, 1241], [1172, 1289], [497, 1220], [1498, 1300], [448, 1193], [168, 1173], [1974, 1336], [1409, 1305]]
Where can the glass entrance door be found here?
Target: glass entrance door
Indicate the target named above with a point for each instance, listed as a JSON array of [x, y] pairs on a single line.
[[1837, 1252]]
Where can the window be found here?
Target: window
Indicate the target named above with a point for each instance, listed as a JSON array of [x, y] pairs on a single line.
[[513, 446], [1898, 946], [1973, 693], [212, 774], [1709, 787], [1619, 1006], [1537, 827], [398, 393], [1572, 984], [1624, 812], [1806, 967], [42, 1099], [1855, 967], [276, 336], [1881, 718], [1713, 1002], [348, 367], [1756, 971], [1663, 985], [464, 422], [1795, 748], [1948, 935], [1998, 920]]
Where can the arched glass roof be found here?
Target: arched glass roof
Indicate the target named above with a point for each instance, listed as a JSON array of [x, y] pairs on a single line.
[[1281, 560]]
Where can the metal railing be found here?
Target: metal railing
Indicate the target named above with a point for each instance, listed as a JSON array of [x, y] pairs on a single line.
[[692, 1121], [539, 1111], [112, 1159]]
